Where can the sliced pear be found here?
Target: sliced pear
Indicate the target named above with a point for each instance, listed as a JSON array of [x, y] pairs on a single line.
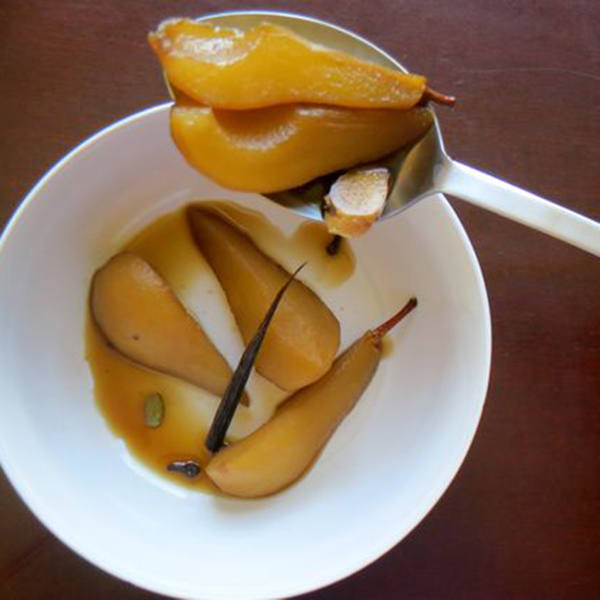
[[269, 65], [303, 337], [278, 148], [141, 317], [280, 451], [356, 200]]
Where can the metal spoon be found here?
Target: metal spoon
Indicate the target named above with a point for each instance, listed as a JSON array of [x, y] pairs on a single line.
[[425, 168]]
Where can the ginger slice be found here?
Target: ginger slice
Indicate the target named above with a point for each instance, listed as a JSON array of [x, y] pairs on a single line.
[[356, 200]]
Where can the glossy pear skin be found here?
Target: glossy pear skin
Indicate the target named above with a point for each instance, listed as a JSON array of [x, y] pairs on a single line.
[[141, 317], [278, 148], [303, 337], [269, 65], [280, 451]]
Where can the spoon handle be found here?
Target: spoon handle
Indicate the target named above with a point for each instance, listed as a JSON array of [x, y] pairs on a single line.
[[524, 207]]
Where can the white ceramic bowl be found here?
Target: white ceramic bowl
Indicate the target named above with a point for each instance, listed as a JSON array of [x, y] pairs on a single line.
[[380, 474]]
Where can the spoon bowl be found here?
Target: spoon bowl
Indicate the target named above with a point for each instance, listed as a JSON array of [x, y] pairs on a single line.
[[307, 200]]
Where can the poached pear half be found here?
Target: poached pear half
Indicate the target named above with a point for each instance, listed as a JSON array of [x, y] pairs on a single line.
[[141, 317], [304, 336], [280, 451]]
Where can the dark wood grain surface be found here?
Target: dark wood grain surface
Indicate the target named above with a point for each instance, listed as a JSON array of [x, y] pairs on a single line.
[[522, 518]]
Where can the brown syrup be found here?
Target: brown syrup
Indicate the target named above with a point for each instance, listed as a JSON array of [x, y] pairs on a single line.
[[121, 386]]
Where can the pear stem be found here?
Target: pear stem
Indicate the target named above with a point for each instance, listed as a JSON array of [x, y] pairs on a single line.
[[438, 97], [384, 328]]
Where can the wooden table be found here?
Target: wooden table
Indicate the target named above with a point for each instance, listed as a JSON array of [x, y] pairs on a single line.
[[522, 518]]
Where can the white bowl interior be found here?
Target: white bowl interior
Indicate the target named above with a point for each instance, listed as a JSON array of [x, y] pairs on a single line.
[[383, 470]]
